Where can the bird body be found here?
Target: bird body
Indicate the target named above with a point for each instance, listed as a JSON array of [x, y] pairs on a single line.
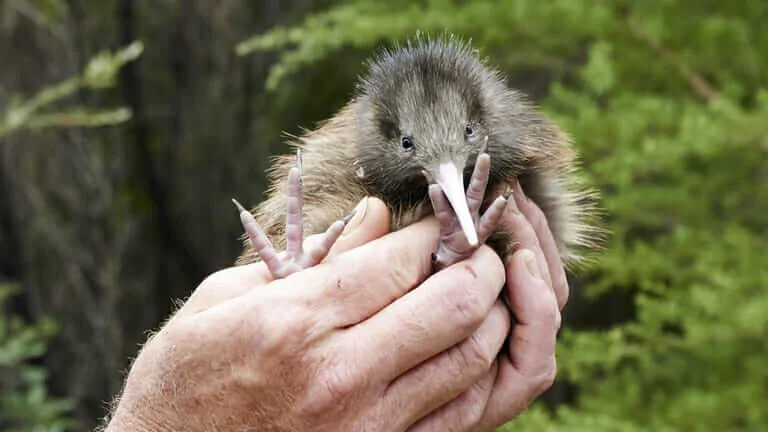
[[423, 114]]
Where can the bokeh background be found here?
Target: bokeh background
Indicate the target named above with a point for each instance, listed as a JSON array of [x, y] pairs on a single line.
[[126, 126]]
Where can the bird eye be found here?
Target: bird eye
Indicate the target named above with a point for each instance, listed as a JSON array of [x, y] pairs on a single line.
[[469, 130], [407, 142]]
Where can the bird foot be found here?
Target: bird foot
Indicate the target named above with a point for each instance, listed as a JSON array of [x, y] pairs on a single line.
[[295, 258], [454, 246]]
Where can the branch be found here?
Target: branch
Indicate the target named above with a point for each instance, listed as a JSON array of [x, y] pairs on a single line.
[[100, 73], [696, 81]]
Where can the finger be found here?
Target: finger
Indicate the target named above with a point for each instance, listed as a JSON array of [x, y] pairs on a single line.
[[439, 380], [464, 412], [549, 248], [370, 221], [530, 366], [446, 309], [225, 285], [536, 313], [525, 236], [356, 284]]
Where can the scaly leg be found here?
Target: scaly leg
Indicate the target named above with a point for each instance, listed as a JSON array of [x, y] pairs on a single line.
[[295, 257], [453, 246]]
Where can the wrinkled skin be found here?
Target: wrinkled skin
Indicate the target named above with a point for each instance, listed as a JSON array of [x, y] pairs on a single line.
[[330, 348]]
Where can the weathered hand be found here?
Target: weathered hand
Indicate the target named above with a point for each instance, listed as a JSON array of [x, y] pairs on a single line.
[[367, 340], [536, 290]]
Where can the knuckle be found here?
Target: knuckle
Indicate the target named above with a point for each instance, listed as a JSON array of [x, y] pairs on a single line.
[[398, 263], [471, 406], [289, 324], [335, 385], [282, 327], [473, 413], [545, 308], [474, 358], [184, 331], [214, 281], [467, 305], [471, 291], [328, 383], [175, 344], [544, 380]]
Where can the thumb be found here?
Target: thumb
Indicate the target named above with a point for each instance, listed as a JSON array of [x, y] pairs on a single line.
[[370, 221]]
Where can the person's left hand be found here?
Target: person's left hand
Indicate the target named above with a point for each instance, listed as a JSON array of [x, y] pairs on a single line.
[[536, 290]]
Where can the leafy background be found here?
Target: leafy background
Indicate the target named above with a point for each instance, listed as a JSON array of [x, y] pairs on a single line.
[[126, 126]]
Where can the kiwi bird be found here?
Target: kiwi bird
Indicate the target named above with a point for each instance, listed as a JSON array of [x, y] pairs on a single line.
[[428, 118]]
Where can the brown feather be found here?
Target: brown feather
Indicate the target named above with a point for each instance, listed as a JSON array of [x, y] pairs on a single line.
[[524, 145]]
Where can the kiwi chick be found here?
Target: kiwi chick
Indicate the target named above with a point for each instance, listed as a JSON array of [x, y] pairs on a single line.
[[427, 118]]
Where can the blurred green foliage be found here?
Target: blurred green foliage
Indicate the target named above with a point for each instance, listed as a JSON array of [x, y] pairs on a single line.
[[101, 72], [25, 405], [667, 102]]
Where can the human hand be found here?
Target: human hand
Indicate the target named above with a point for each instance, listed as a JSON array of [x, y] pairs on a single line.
[[536, 291], [347, 345]]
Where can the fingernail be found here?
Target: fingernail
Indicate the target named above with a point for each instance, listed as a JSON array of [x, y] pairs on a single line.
[[507, 192], [357, 218], [511, 202], [530, 263]]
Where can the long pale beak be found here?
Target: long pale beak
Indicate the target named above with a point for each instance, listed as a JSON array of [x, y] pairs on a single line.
[[451, 179]]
